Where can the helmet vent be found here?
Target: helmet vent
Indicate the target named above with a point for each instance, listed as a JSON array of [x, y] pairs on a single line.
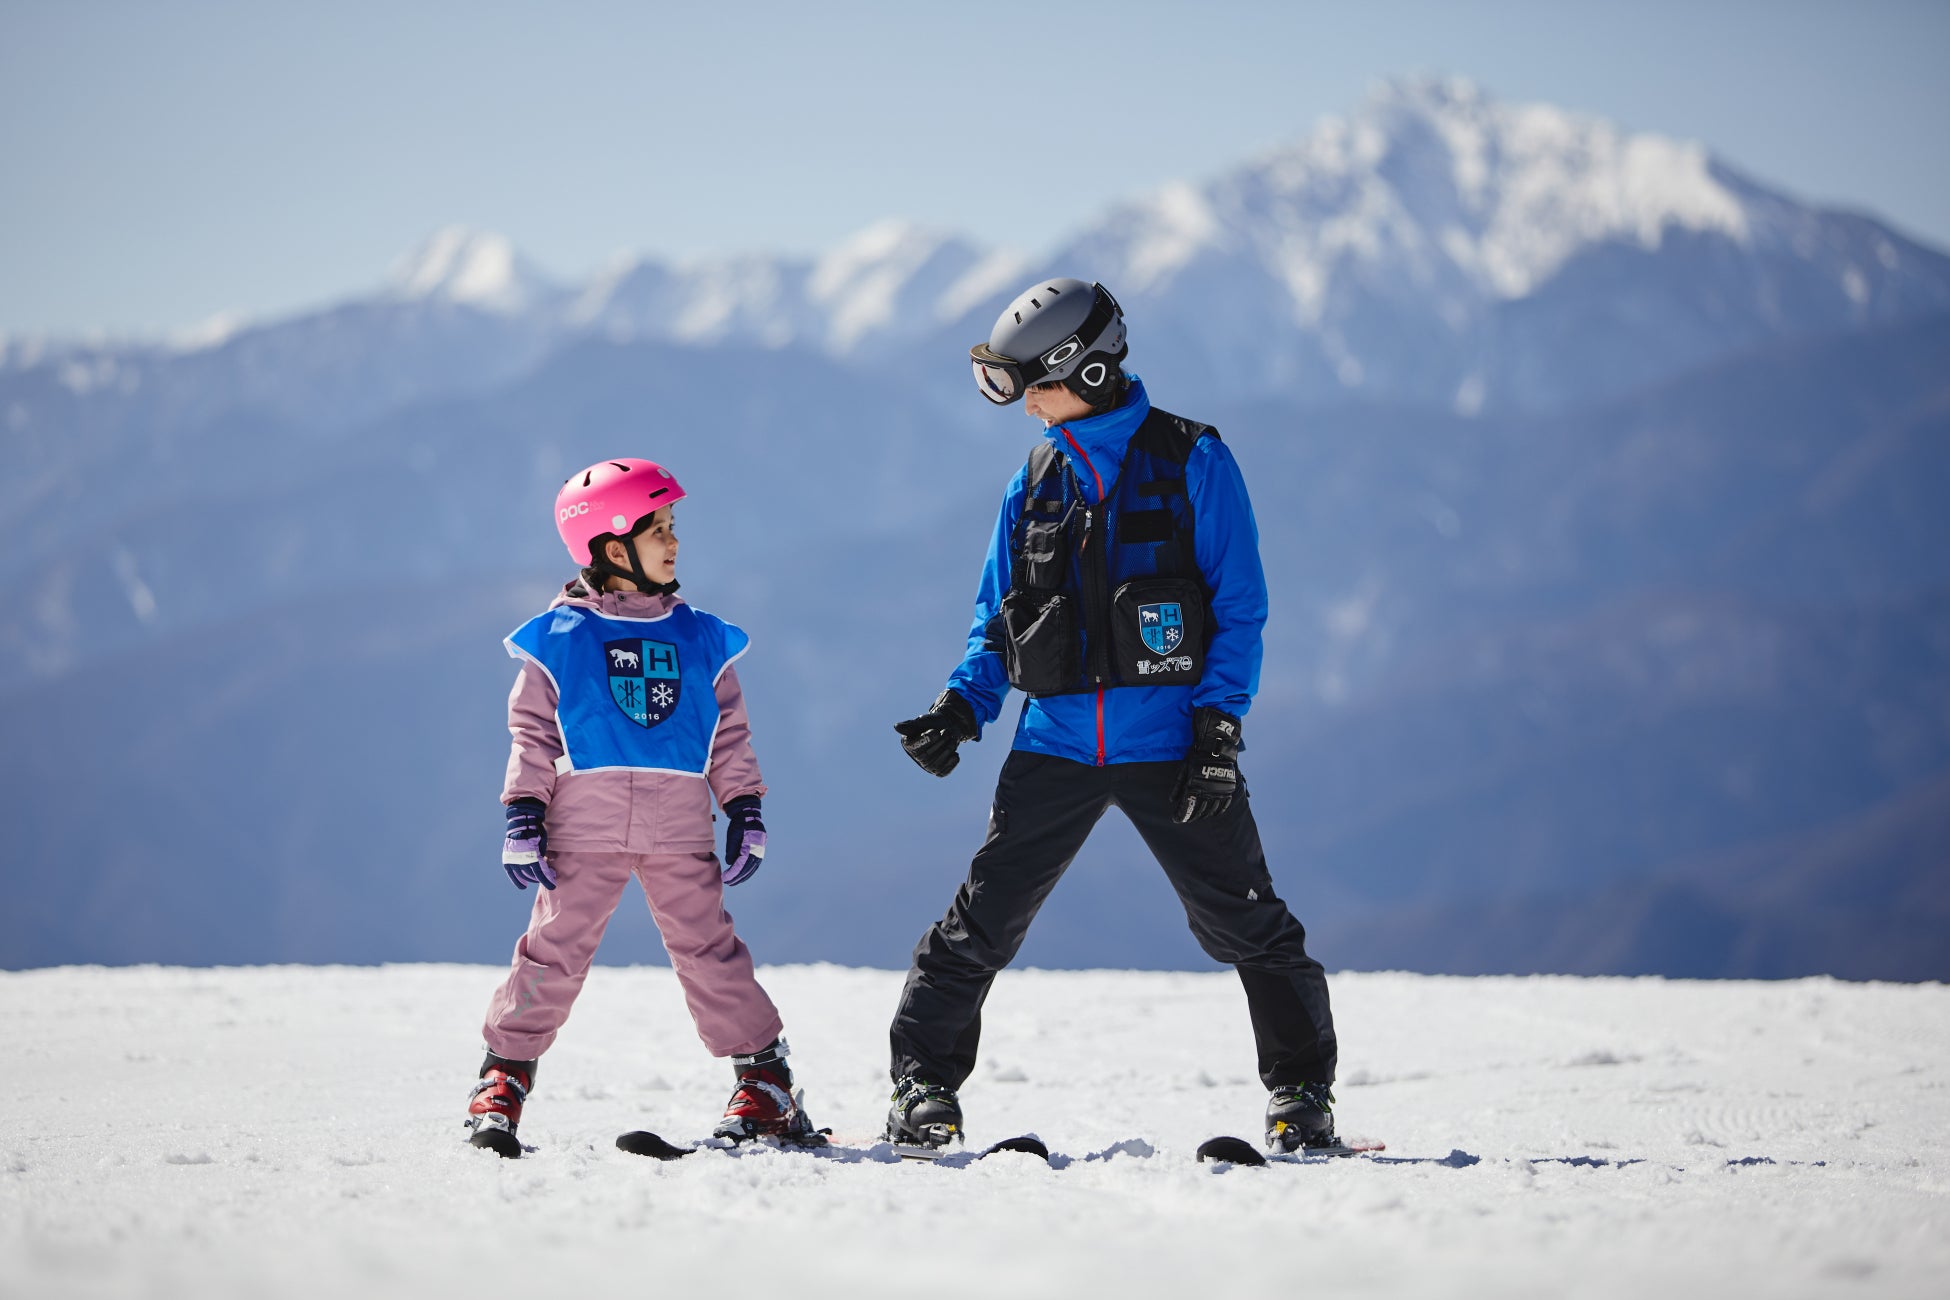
[[1018, 318], [586, 476], [1053, 291], [659, 492], [624, 468], [1034, 303]]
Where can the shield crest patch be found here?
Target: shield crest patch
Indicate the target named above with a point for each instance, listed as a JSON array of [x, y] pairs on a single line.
[[643, 679], [1162, 626]]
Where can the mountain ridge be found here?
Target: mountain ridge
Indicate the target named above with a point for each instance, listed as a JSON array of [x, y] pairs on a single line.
[[1433, 245]]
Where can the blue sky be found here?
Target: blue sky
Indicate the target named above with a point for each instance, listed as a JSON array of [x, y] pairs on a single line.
[[160, 163]]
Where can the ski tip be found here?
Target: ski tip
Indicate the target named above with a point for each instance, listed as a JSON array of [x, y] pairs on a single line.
[[644, 1143], [1027, 1144], [1363, 1146], [498, 1140], [1230, 1151]]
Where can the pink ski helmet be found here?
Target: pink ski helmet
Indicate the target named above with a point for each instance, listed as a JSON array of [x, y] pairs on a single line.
[[610, 497]]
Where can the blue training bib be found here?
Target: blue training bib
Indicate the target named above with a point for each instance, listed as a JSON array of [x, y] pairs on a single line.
[[633, 694]]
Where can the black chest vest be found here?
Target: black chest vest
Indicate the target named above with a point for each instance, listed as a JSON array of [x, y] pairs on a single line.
[[1107, 594]]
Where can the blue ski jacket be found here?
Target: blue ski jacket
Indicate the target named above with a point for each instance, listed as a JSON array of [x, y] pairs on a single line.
[[1133, 724]]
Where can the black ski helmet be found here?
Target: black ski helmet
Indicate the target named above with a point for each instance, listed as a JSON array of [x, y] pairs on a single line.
[[1056, 331]]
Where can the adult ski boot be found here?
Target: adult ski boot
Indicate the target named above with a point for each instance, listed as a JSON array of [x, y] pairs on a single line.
[[763, 1104], [923, 1114], [1300, 1117], [494, 1107]]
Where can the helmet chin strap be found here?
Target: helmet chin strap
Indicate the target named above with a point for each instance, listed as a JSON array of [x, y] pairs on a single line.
[[635, 573]]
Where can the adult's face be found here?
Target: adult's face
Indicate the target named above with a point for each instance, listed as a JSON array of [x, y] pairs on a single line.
[[1054, 404]]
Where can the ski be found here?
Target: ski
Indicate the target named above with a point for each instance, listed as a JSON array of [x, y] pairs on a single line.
[[496, 1139], [642, 1142], [1028, 1144], [1238, 1151], [1025, 1144]]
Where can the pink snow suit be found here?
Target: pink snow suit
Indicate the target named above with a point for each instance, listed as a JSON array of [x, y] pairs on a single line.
[[605, 826]]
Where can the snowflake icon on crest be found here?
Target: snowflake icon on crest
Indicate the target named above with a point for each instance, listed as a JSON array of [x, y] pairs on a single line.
[[662, 695]]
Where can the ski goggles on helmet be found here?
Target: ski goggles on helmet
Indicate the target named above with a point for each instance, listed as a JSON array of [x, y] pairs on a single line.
[[1004, 379]]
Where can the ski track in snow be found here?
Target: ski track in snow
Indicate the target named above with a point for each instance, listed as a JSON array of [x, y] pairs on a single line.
[[296, 1131]]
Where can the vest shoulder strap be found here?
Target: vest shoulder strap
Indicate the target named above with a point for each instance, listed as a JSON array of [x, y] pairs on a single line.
[[1162, 434], [1042, 493], [1044, 463], [1171, 437]]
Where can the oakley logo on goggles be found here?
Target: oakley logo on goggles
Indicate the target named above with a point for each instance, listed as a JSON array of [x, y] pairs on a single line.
[[1004, 379]]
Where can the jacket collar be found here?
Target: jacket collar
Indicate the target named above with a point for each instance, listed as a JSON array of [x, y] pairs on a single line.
[[616, 604], [1103, 438]]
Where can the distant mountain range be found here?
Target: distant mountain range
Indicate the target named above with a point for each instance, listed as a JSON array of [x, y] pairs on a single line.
[[1438, 247], [1605, 497]]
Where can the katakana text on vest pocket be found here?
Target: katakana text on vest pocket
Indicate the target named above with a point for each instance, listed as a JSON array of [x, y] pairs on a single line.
[[1158, 632], [1042, 652]]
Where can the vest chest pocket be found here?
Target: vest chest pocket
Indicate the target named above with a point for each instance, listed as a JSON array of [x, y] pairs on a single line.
[[1041, 650], [1042, 551], [1158, 632]]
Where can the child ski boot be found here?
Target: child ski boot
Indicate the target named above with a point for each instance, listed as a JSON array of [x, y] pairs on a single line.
[[763, 1104], [923, 1116], [1300, 1117], [494, 1110]]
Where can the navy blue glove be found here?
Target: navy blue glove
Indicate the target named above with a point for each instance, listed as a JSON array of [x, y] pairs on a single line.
[[744, 839], [524, 851]]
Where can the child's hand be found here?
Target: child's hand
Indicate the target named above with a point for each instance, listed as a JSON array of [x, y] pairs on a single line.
[[744, 839], [524, 851]]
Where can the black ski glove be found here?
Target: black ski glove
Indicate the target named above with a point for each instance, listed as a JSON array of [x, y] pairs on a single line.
[[932, 738], [1211, 774]]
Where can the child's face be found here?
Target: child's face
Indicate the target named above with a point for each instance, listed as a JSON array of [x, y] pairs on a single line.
[[656, 546]]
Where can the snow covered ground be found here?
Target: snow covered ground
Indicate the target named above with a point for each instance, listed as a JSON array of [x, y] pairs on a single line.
[[296, 1130]]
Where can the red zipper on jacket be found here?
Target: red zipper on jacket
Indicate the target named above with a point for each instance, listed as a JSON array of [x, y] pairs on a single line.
[[1064, 430], [1100, 726]]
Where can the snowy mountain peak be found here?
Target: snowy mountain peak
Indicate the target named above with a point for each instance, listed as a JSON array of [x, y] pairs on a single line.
[[894, 270], [1435, 180], [210, 332], [893, 240], [891, 277], [1512, 191], [476, 268], [1417, 246]]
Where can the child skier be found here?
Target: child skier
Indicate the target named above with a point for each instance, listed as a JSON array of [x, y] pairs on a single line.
[[627, 719]]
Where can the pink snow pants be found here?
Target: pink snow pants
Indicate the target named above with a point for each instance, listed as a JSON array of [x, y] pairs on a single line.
[[733, 1014]]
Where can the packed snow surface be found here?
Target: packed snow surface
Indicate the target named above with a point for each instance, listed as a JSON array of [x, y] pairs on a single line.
[[296, 1131]]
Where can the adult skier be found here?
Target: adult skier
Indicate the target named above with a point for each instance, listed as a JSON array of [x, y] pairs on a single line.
[[1123, 595]]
